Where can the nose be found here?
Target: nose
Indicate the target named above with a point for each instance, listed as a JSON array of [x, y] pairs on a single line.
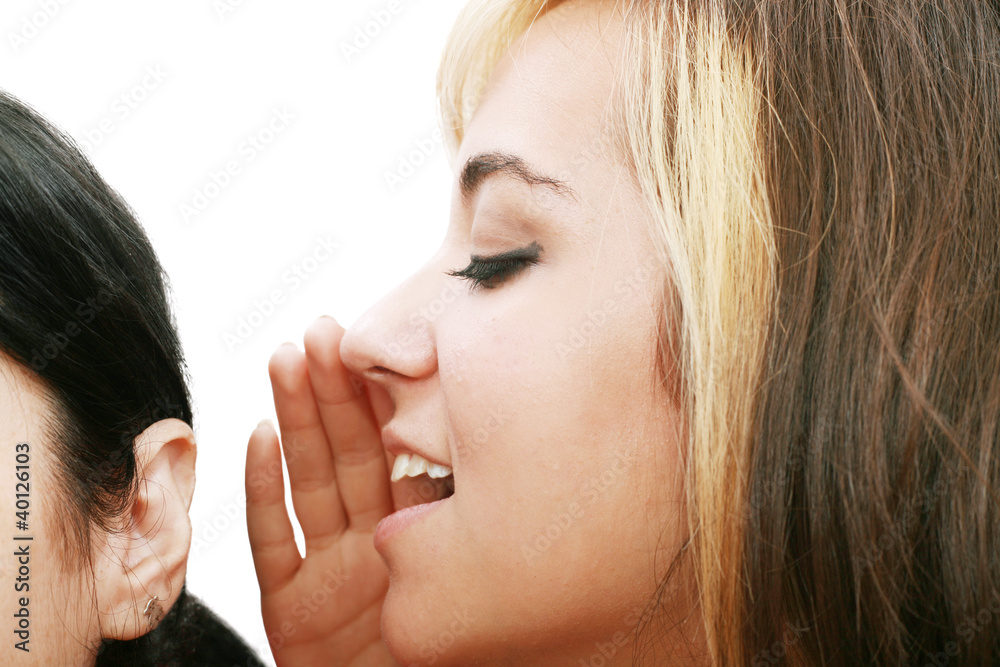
[[395, 337]]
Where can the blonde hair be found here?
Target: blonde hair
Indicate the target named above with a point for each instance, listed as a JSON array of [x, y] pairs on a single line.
[[775, 169], [695, 147]]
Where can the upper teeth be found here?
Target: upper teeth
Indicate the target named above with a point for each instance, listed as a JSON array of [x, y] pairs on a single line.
[[411, 465]]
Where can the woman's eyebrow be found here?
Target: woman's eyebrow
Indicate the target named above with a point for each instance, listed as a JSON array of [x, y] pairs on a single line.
[[481, 166]]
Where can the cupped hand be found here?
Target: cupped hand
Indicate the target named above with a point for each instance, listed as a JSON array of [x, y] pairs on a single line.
[[323, 608]]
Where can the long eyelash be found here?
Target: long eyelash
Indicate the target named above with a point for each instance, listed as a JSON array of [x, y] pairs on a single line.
[[488, 272]]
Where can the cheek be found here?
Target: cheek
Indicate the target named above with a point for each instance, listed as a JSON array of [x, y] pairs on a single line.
[[507, 409], [558, 441], [513, 403], [48, 593]]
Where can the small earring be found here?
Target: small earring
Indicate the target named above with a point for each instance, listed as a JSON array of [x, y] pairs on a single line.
[[153, 612]]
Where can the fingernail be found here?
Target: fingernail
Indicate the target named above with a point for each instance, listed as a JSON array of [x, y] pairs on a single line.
[[330, 317], [264, 422]]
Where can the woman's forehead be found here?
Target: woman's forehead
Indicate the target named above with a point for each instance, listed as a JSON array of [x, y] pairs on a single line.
[[551, 99], [568, 56]]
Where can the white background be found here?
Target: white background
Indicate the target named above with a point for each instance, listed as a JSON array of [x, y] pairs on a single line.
[[163, 95]]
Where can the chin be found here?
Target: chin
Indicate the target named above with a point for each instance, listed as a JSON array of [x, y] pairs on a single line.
[[418, 633]]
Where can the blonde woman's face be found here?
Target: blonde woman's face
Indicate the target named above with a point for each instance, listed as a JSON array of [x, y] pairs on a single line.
[[538, 387]]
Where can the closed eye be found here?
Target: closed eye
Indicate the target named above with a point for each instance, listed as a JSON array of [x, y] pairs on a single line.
[[490, 272]]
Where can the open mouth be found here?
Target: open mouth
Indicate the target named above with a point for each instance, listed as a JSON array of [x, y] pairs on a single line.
[[423, 488], [447, 487], [436, 481]]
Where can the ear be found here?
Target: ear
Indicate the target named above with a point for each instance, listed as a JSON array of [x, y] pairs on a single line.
[[148, 555]]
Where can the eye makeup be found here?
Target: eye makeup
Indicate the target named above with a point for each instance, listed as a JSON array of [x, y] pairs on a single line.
[[490, 272]]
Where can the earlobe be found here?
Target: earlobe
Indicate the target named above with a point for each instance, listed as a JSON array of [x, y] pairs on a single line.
[[147, 557]]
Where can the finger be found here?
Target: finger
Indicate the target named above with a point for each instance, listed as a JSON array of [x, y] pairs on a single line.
[[307, 453], [351, 428], [272, 542]]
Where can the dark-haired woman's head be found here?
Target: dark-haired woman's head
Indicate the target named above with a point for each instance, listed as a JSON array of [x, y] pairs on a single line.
[[95, 416]]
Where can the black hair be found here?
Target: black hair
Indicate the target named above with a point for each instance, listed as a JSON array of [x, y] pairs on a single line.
[[83, 305]]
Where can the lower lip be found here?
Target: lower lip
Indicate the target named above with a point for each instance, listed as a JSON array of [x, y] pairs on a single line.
[[398, 521]]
